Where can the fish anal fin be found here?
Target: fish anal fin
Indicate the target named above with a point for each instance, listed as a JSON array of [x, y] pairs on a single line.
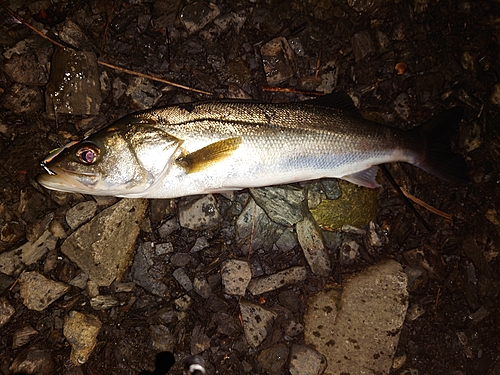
[[366, 178], [209, 155]]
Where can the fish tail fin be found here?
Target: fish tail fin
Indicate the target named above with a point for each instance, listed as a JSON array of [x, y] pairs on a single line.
[[439, 159]]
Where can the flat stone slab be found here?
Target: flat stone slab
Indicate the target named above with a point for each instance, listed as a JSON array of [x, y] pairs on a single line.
[[104, 247], [357, 329], [38, 292]]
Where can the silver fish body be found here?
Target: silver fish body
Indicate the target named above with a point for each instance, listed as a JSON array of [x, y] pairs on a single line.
[[208, 147]]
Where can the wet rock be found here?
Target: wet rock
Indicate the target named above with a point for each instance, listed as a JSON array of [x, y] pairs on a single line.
[[199, 341], [74, 86], [38, 292], [201, 214], [312, 244], [147, 271], [306, 361], [236, 275], [257, 322], [80, 213], [22, 99], [362, 45], [13, 262], [402, 105], [282, 204], [201, 286], [103, 302], [23, 336], [287, 241], [143, 93], [117, 287], [180, 259], [415, 311], [6, 311], [104, 247], [358, 329], [71, 34], [162, 339], [495, 94], [183, 279], [278, 60], [81, 331], [356, 207], [348, 252], [233, 20], [26, 70], [329, 74], [33, 360], [290, 276], [273, 359], [293, 329], [365, 5], [255, 227], [80, 280], [200, 244], [197, 15], [165, 248], [169, 227]]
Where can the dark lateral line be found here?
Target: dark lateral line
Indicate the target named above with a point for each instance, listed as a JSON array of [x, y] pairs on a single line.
[[405, 198]]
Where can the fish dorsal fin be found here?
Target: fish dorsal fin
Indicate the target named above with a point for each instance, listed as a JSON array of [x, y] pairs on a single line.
[[338, 100], [366, 178], [208, 155]]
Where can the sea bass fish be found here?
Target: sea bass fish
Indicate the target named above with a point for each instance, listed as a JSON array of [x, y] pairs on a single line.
[[219, 146]]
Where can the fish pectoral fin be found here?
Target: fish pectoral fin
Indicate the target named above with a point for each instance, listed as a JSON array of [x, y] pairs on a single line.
[[208, 155], [366, 178]]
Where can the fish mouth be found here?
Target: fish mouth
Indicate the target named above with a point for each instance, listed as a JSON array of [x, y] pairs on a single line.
[[62, 179]]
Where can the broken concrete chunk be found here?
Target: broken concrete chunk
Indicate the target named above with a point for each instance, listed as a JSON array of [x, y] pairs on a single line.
[[236, 275], [273, 359], [255, 227], [306, 361], [183, 279], [103, 302], [281, 203], [81, 213], [13, 262], [312, 244], [257, 322], [280, 279], [104, 247], [201, 214], [357, 329], [81, 331], [38, 292], [6, 311]]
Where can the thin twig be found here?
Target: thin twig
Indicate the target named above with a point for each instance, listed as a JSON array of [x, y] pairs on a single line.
[[292, 91], [29, 26], [128, 71], [131, 72], [426, 205], [396, 187]]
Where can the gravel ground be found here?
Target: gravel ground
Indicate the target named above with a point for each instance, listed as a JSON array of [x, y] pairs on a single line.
[[161, 291]]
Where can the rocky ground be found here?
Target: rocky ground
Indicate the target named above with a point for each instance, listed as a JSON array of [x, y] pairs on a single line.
[[310, 278]]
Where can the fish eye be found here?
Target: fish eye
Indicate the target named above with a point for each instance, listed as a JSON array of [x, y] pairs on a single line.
[[87, 154]]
